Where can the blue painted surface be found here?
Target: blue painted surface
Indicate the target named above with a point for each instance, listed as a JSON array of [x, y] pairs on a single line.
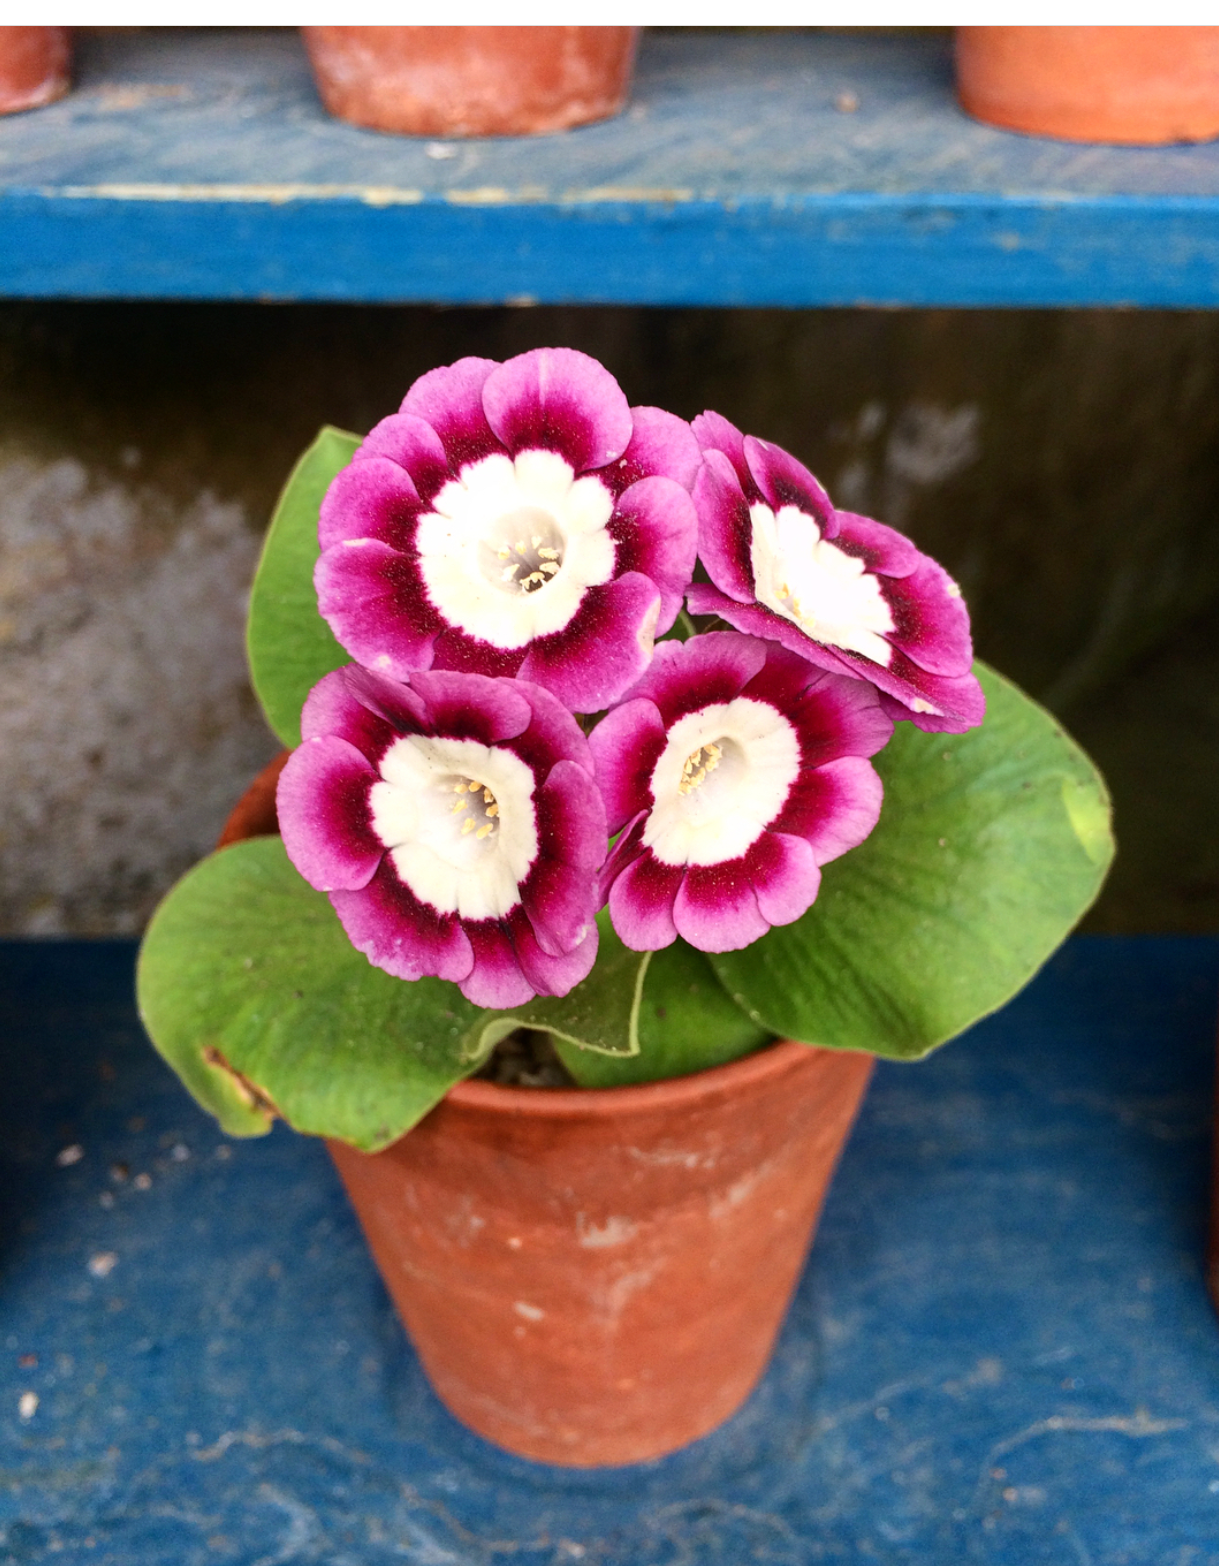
[[1001, 1350], [199, 164]]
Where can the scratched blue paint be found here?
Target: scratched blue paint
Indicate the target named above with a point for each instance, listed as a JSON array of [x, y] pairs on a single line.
[[1001, 1350], [841, 250], [199, 164]]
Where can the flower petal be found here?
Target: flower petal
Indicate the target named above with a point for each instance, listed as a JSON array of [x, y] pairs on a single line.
[[882, 549], [571, 817], [496, 979], [370, 499], [324, 819], [785, 876], [471, 706], [716, 909], [931, 622], [551, 975], [371, 597], [687, 676], [553, 734], [833, 807], [454, 650], [754, 620], [725, 531], [641, 903], [655, 530], [605, 648], [450, 399], [333, 707], [715, 433], [560, 892], [558, 399], [625, 747], [395, 931], [834, 714], [661, 445], [959, 702], [413, 445], [783, 481], [393, 703]]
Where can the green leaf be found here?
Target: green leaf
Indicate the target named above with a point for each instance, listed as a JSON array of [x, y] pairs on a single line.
[[600, 1016], [290, 646], [252, 992], [685, 1022], [254, 995], [990, 847]]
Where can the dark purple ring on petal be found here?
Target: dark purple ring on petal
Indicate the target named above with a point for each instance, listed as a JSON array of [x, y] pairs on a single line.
[[456, 824], [735, 769]]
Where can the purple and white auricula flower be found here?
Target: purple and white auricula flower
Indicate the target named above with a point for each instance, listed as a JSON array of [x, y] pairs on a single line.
[[513, 519], [455, 822], [734, 770], [851, 595]]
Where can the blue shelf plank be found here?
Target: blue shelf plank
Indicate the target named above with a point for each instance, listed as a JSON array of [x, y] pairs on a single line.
[[199, 164], [1001, 1350]]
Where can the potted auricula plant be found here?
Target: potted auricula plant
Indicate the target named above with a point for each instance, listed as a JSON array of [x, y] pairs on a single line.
[[637, 799]]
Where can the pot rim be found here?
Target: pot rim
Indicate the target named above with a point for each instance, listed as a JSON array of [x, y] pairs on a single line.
[[735, 1076]]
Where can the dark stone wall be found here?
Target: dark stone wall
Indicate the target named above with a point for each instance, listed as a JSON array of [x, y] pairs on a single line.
[[1065, 466]]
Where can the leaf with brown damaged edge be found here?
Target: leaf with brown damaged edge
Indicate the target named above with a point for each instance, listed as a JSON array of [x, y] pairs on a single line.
[[255, 1097], [251, 991]]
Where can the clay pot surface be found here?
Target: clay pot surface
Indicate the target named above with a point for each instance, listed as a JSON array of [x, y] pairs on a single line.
[[34, 63], [472, 81], [1137, 85], [597, 1276], [254, 814]]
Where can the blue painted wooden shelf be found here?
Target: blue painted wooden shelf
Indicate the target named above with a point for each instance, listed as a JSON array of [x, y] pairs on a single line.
[[198, 164], [1001, 1351]]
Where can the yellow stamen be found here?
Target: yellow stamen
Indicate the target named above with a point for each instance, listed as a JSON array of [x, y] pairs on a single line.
[[488, 826], [696, 767]]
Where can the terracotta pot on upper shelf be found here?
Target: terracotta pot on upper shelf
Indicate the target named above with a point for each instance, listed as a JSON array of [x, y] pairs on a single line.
[[1136, 85], [34, 65], [472, 81], [597, 1276]]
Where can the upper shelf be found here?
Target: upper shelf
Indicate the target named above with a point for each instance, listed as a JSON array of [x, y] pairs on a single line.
[[199, 164]]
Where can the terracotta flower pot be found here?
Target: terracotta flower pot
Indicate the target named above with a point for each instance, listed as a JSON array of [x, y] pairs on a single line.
[[472, 81], [1141, 85], [597, 1277], [34, 64]]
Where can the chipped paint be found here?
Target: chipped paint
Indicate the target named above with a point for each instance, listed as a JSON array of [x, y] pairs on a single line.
[[663, 195], [496, 196], [262, 195]]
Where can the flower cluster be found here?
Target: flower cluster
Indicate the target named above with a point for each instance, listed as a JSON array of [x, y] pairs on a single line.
[[500, 557]]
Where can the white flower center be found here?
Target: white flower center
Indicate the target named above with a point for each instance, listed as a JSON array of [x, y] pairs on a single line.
[[458, 820], [828, 593], [511, 547], [722, 778]]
